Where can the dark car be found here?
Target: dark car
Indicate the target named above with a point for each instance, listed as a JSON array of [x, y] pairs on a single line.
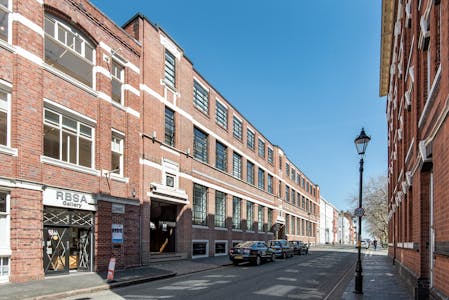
[[299, 247], [252, 251], [282, 248]]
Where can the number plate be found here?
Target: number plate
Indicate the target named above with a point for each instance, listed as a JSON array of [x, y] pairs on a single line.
[[238, 257]]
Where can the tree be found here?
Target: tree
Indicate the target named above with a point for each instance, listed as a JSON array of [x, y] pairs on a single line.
[[375, 193]]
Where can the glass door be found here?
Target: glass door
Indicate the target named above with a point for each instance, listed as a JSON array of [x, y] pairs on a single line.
[[56, 250]]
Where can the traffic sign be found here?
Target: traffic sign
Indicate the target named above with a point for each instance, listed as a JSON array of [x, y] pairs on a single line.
[[359, 212]]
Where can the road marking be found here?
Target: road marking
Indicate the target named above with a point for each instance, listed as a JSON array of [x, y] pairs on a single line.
[[286, 279]]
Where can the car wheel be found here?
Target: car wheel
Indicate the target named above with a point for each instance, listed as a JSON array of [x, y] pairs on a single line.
[[272, 257], [258, 260], [235, 262]]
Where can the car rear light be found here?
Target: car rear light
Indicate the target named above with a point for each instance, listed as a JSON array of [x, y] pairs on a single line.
[[231, 251]]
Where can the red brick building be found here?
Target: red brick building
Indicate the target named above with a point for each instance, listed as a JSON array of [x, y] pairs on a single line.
[[414, 77], [113, 145]]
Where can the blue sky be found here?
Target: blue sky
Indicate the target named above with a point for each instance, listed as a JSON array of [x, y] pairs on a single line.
[[309, 67]]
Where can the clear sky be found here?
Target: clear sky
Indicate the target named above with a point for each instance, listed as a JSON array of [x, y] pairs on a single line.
[[309, 67]]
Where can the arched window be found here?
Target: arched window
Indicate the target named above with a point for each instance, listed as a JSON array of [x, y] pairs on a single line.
[[67, 50]]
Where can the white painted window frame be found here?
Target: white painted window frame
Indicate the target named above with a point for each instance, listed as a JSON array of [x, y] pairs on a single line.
[[5, 250], [207, 248], [120, 137], [226, 247], [121, 79], [5, 106]]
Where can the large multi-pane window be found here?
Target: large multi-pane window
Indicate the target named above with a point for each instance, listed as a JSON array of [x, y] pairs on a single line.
[[4, 115], [270, 219], [270, 156], [236, 212], [199, 206], [237, 128], [221, 114], [249, 216], [200, 145], [220, 209], [68, 50], [4, 19], [250, 139], [250, 172], [169, 127], [259, 218], [117, 153], [237, 165], [287, 169], [270, 184], [118, 78], [170, 68], [292, 225], [261, 179], [293, 196], [200, 97], [261, 150], [68, 139], [287, 193], [221, 157]]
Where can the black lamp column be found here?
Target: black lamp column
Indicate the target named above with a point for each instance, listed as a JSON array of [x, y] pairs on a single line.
[[361, 142]]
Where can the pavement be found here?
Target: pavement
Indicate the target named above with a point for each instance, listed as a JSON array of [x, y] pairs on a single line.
[[381, 280]]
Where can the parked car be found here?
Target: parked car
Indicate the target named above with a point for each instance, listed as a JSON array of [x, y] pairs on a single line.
[[299, 247], [252, 251], [365, 244], [282, 248]]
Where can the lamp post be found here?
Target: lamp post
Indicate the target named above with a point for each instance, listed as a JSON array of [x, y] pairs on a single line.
[[361, 142]]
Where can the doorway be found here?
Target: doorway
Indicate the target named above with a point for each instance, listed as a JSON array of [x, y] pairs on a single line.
[[163, 227], [66, 249], [68, 240]]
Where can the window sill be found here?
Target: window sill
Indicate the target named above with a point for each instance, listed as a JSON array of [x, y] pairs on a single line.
[[203, 113], [250, 231], [7, 46], [70, 80], [59, 163], [237, 230], [221, 228], [220, 254], [114, 176], [8, 151], [200, 226]]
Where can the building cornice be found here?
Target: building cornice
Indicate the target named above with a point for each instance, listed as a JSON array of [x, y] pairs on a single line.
[[386, 45]]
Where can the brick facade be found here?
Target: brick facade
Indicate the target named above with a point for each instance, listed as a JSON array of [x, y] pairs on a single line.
[[52, 96], [414, 79]]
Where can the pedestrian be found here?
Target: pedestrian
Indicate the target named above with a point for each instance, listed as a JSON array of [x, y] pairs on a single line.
[[375, 244]]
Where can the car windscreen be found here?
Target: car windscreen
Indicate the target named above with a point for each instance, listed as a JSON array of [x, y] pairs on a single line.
[[245, 244]]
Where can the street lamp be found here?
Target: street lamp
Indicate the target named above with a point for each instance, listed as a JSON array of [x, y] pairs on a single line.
[[361, 142]]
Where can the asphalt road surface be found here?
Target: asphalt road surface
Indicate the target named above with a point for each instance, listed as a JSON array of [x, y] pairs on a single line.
[[319, 275]]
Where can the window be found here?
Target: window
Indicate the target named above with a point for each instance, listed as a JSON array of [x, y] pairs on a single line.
[[303, 182], [292, 225], [270, 183], [117, 153], [297, 178], [200, 248], [170, 180], [4, 236], [307, 205], [250, 172], [199, 206], [221, 157], [170, 69], [249, 215], [237, 165], [270, 219], [250, 139], [280, 163], [221, 114], [237, 128], [287, 224], [169, 127], [292, 175], [67, 139], [236, 213], [270, 156], [280, 190], [68, 50], [200, 145], [220, 209], [4, 21], [303, 205], [200, 97], [293, 196], [287, 193], [260, 218], [221, 247], [287, 169], [261, 148], [261, 179], [307, 186], [4, 116], [118, 78]]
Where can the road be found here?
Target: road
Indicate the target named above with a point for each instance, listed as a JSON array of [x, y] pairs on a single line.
[[311, 276]]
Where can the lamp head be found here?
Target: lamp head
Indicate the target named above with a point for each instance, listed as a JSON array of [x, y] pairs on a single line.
[[361, 142]]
